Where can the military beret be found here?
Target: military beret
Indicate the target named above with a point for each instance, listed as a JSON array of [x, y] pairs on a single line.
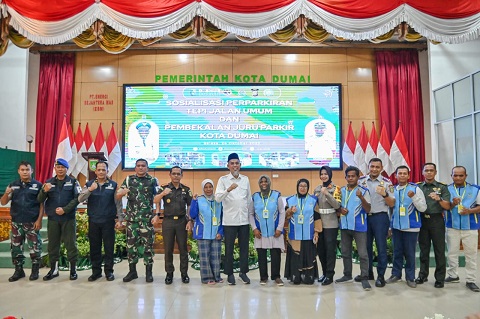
[[61, 161]]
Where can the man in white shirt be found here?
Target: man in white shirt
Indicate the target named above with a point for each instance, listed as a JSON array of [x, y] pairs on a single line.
[[233, 191]]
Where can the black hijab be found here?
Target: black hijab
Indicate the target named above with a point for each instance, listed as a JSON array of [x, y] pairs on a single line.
[[329, 173], [303, 180]]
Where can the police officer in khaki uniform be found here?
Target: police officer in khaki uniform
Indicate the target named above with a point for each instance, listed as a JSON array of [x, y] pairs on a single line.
[[176, 222]]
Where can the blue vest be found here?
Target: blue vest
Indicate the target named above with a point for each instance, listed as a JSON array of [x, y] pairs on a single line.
[[266, 225], [469, 198], [60, 197], [356, 218], [303, 231], [24, 207], [203, 210], [411, 218], [101, 205]]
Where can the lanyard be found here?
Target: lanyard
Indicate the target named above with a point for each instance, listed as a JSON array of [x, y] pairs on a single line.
[[402, 195], [213, 207], [348, 195], [299, 202], [464, 191], [265, 202]]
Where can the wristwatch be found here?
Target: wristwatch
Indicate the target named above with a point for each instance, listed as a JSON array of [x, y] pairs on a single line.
[[386, 195]]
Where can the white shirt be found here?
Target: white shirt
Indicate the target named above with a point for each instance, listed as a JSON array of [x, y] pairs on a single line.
[[235, 203]]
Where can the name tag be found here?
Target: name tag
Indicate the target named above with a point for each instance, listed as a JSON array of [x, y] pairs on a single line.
[[265, 213], [300, 219], [460, 208], [214, 221], [403, 211], [15, 187], [68, 184], [109, 187]]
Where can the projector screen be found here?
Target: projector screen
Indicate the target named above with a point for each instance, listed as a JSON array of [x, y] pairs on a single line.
[[197, 126]]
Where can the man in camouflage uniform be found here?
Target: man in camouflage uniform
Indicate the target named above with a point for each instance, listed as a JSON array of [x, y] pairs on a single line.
[[27, 215], [139, 190]]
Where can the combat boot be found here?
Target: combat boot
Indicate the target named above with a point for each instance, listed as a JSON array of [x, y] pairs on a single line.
[[73, 271], [148, 274], [52, 273], [34, 274], [19, 273], [132, 274]]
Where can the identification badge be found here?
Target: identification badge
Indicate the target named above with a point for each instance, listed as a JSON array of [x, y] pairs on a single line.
[[265, 213], [300, 219], [403, 212], [214, 221], [460, 208]]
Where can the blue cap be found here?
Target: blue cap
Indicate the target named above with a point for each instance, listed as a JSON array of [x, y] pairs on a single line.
[[61, 161], [233, 156]]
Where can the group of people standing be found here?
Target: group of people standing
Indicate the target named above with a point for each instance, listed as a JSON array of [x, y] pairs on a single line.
[[367, 209]]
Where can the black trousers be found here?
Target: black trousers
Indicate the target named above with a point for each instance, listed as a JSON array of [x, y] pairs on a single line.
[[327, 251], [99, 233], [243, 234], [174, 230], [432, 231], [275, 259]]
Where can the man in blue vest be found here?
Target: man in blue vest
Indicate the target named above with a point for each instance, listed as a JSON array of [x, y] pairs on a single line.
[[27, 215], [60, 195], [406, 223], [462, 222], [102, 208], [355, 206]]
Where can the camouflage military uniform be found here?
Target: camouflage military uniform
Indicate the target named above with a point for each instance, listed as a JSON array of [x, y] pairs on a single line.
[[140, 232], [24, 211]]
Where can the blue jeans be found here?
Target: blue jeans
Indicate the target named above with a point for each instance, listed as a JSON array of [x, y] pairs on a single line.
[[404, 244], [378, 225]]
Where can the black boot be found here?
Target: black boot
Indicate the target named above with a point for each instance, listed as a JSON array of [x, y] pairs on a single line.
[[73, 271], [34, 274], [52, 273], [19, 273], [132, 274], [148, 274]]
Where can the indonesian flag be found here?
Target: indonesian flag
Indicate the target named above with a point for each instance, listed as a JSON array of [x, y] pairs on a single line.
[[399, 153], [360, 150], [89, 147], [383, 151], [73, 161], [80, 145], [64, 150], [372, 145], [349, 147], [100, 143], [114, 153]]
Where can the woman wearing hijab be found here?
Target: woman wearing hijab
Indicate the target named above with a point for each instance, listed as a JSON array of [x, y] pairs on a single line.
[[304, 225], [328, 202], [208, 231], [267, 217]]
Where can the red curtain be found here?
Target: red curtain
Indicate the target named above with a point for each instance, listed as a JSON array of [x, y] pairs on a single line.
[[400, 101], [55, 95]]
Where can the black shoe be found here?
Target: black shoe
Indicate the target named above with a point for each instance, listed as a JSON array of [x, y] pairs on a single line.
[[169, 278], [19, 273], [231, 280], [148, 273], [244, 278], [110, 276], [322, 278], [380, 282], [449, 280], [327, 281], [472, 286], [185, 279], [34, 274], [73, 271], [393, 279], [438, 284], [132, 273], [358, 278], [366, 285], [53, 273], [421, 280], [94, 277]]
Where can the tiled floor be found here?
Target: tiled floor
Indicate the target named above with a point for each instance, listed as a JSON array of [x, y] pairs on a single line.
[[62, 298]]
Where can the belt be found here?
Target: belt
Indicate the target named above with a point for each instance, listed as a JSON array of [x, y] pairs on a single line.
[[175, 217], [326, 211], [374, 214]]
